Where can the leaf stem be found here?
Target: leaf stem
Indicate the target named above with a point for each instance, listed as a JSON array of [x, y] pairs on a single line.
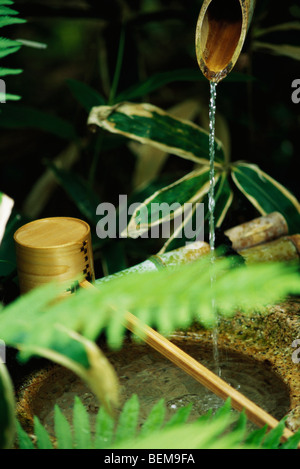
[[117, 74]]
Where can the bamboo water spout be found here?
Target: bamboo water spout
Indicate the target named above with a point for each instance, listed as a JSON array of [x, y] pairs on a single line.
[[220, 35]]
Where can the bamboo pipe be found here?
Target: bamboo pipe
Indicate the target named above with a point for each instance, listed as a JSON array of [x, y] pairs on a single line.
[[262, 239], [220, 35], [257, 231], [50, 237]]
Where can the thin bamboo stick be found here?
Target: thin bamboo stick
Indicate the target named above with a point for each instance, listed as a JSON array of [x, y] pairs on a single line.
[[199, 372]]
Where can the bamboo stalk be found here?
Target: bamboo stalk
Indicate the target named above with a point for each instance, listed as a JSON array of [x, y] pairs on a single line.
[[257, 231], [220, 35], [199, 372]]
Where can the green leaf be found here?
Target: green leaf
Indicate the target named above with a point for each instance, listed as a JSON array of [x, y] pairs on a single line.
[[127, 425], [223, 200], [273, 437], [293, 52], [8, 51], [9, 97], [167, 203], [9, 71], [104, 430], [24, 441], [7, 408], [266, 194], [43, 439], [235, 437], [87, 96], [13, 117], [79, 191], [81, 426], [200, 434], [292, 442], [155, 418], [151, 125], [7, 11], [8, 20], [4, 43], [63, 432], [255, 438], [180, 417], [257, 32], [161, 79]]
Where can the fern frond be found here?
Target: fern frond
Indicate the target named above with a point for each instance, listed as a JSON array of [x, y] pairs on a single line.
[[9, 71], [4, 43], [207, 432], [8, 20], [8, 16], [8, 51], [168, 300], [6, 11]]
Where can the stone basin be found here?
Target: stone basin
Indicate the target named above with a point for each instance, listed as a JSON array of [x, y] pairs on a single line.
[[256, 356]]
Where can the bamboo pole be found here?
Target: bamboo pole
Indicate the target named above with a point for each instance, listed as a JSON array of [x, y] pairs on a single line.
[[257, 231], [220, 35], [199, 372]]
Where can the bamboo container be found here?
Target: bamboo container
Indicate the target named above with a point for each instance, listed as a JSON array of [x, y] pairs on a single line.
[[57, 249], [220, 35]]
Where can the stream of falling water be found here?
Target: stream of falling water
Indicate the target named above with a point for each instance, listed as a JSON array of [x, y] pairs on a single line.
[[211, 208]]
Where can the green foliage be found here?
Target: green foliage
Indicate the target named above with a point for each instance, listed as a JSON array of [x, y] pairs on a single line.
[[151, 126], [64, 331], [184, 296], [7, 424], [8, 46], [14, 117], [219, 431]]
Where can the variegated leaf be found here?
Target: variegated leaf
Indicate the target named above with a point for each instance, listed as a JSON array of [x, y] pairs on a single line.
[[257, 32], [6, 206], [266, 194], [223, 200], [151, 125], [287, 50], [168, 203]]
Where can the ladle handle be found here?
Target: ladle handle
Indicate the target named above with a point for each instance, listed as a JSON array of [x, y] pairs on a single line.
[[199, 372]]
